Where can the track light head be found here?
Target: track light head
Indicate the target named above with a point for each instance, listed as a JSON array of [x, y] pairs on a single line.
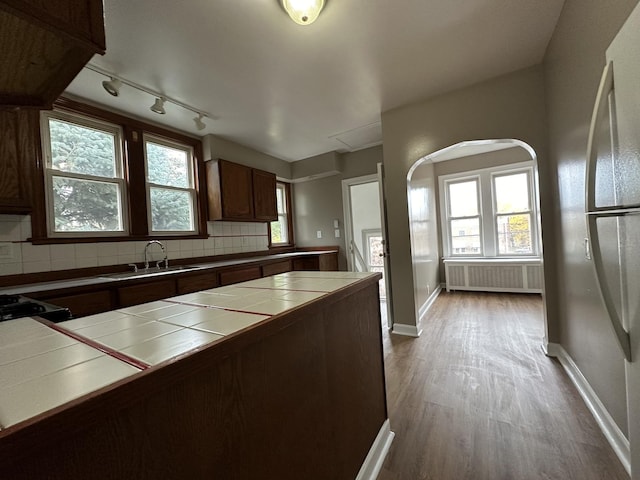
[[112, 86], [158, 106], [200, 125]]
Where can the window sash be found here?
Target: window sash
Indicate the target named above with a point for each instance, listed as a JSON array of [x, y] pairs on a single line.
[[452, 218], [283, 217], [190, 189], [50, 173]]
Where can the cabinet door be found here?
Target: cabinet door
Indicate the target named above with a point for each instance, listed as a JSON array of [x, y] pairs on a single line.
[[82, 304], [19, 149], [195, 283], [237, 275], [236, 190], [264, 196], [146, 292]]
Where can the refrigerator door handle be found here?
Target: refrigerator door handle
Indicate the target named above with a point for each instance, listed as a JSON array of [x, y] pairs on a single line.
[[592, 213], [599, 109], [596, 255]]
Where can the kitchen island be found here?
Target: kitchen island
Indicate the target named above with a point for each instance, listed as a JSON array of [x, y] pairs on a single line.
[[280, 377]]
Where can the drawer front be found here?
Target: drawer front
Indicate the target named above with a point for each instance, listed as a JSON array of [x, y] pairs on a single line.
[[275, 268], [239, 275]]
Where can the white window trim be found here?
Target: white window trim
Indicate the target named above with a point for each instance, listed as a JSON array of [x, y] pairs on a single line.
[[50, 172], [191, 189], [479, 216], [282, 215], [489, 229]]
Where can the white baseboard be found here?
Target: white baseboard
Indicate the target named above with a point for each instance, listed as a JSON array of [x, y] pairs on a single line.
[[611, 431], [406, 330], [377, 453], [428, 303], [415, 330]]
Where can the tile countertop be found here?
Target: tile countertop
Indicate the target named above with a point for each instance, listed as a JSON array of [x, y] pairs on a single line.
[[96, 280], [44, 366]]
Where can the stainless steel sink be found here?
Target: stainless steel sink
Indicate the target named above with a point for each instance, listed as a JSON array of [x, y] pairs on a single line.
[[148, 272]]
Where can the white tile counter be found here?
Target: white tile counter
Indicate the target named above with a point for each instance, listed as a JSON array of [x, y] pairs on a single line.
[[43, 367]]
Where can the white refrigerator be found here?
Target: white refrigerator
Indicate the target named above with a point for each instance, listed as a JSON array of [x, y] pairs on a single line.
[[613, 207]]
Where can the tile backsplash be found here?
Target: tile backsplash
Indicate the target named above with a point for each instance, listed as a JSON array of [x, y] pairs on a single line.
[[17, 255]]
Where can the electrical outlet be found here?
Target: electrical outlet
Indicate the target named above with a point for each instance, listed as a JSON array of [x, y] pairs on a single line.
[[319, 234], [336, 232]]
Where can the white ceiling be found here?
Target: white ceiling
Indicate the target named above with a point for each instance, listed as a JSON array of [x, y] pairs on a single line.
[[295, 92]]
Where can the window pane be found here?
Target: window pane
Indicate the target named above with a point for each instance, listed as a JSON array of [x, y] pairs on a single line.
[[85, 205], [280, 199], [83, 150], [512, 193], [167, 166], [465, 236], [375, 252], [514, 235], [171, 210], [279, 230], [463, 199]]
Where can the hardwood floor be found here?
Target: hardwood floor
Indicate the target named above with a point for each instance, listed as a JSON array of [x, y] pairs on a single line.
[[475, 398]]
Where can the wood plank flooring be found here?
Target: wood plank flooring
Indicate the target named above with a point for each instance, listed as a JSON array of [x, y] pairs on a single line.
[[475, 398]]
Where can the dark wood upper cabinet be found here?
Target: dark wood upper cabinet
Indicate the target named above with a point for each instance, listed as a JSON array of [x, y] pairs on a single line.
[[45, 44], [264, 196], [19, 155], [238, 192]]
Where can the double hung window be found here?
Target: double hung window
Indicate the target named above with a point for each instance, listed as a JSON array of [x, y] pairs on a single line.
[[84, 176], [171, 194], [489, 213], [280, 230]]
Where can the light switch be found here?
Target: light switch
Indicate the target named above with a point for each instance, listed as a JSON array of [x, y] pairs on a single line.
[[6, 250], [337, 232], [336, 224], [319, 234]]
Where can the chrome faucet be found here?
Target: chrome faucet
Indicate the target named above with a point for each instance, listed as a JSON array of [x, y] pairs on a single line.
[[165, 260]]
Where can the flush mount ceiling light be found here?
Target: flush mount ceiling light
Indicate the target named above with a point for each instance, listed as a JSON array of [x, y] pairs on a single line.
[[115, 82], [158, 106], [303, 12], [112, 86], [200, 125]]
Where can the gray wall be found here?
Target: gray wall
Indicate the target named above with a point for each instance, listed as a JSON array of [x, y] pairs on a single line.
[[424, 232], [573, 65], [317, 202], [510, 106]]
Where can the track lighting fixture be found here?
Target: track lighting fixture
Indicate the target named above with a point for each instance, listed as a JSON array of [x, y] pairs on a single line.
[[114, 83], [158, 106], [200, 125], [112, 86]]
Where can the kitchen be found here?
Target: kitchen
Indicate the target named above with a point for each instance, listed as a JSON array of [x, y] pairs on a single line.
[[557, 93]]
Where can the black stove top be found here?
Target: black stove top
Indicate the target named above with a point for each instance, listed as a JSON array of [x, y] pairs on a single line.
[[17, 306]]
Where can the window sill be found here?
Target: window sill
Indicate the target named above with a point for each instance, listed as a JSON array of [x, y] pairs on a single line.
[[494, 260], [138, 238]]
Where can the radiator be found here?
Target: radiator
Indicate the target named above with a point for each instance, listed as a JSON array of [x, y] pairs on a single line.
[[500, 275]]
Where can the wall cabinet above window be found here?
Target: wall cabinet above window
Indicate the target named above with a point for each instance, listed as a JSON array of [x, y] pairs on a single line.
[[45, 43], [238, 192]]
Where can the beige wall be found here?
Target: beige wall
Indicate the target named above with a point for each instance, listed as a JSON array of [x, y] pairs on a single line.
[[511, 106], [573, 65]]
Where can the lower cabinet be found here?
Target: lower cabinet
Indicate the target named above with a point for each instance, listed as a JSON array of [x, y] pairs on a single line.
[[83, 301], [240, 275], [146, 292], [82, 304], [276, 268], [195, 283]]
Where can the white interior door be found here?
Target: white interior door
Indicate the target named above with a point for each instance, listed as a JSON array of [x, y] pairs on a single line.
[[364, 233]]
